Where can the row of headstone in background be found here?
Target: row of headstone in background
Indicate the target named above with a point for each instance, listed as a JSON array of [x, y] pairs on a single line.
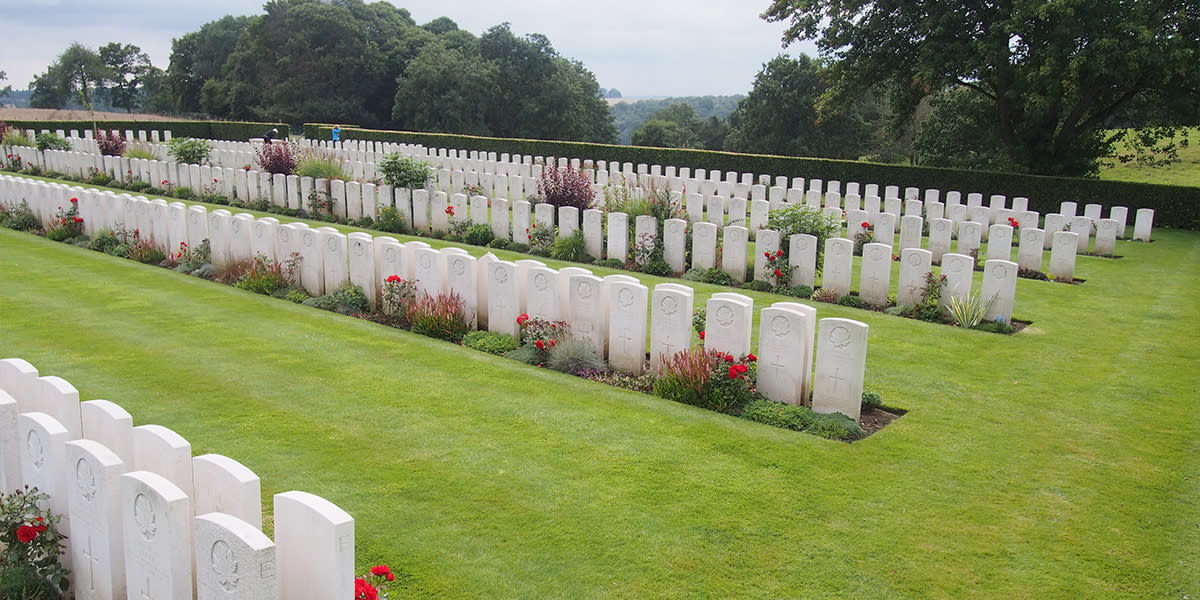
[[146, 519], [714, 203]]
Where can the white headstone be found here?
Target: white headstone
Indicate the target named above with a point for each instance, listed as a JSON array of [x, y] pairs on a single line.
[[836, 273], [627, 326], [1143, 225], [162, 451], [333, 250], [840, 367], [733, 257], [1083, 226], [670, 321], [504, 300], [361, 253], [542, 298], [704, 246], [156, 517], [1106, 237], [959, 271], [10, 445], [1000, 280], [42, 442], [1120, 214], [461, 279], [999, 242], [227, 486], [727, 325], [618, 236], [586, 310], [56, 397], [802, 256], [885, 228], [1062, 255], [312, 262], [234, 560], [1054, 222], [785, 351], [875, 279], [915, 263], [969, 237], [94, 500], [1029, 253], [314, 548], [593, 233], [109, 424]]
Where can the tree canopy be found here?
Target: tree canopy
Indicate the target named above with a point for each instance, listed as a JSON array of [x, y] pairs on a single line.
[[1054, 73]]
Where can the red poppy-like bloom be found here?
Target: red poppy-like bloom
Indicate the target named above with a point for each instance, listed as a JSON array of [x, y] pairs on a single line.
[[866, 225], [74, 200], [165, 182], [751, 358], [39, 525], [741, 368], [767, 254], [394, 279], [364, 590], [450, 210], [77, 219], [701, 335], [728, 358], [540, 345], [552, 342], [25, 534], [779, 253]]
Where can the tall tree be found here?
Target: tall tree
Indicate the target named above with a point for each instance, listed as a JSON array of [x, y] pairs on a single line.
[[1053, 72], [78, 74], [780, 116], [675, 126], [128, 69], [445, 89], [197, 57], [6, 90]]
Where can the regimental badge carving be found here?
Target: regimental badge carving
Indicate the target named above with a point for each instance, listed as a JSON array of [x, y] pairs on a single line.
[[224, 565], [541, 282], [725, 316], [144, 517], [459, 267], [390, 255], [359, 249], [426, 261], [839, 336], [85, 480], [501, 275], [37, 450], [669, 305], [780, 326], [999, 271], [584, 290], [625, 298]]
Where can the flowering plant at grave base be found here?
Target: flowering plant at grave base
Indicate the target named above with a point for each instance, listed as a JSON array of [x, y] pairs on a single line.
[[319, 206], [864, 237], [541, 334], [67, 223], [1015, 224], [13, 162], [397, 295], [97, 177], [709, 379], [373, 585], [31, 543], [779, 271], [541, 237]]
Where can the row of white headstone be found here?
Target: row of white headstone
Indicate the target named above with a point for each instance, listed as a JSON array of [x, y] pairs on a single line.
[[609, 312], [145, 519]]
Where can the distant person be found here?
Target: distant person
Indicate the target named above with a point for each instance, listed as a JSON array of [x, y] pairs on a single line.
[[337, 133], [270, 135]]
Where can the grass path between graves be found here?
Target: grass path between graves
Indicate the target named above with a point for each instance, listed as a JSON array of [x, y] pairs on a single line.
[[1063, 462]]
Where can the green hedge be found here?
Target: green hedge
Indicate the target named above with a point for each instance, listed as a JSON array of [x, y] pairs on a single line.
[[209, 130], [1174, 206]]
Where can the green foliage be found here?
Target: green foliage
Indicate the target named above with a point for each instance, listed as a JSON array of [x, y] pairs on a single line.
[[1054, 74], [492, 342], [209, 130], [711, 110], [18, 217], [50, 141], [958, 134], [320, 164], [14, 137], [835, 426], [708, 379], [802, 291], [189, 151], [30, 545], [778, 414], [270, 277], [572, 248], [780, 116], [675, 126], [573, 355], [714, 276], [197, 57], [968, 312], [850, 300], [526, 354], [391, 221], [657, 266], [76, 75], [139, 152], [801, 218], [824, 295], [347, 300], [871, 399], [404, 171], [479, 235], [757, 286]]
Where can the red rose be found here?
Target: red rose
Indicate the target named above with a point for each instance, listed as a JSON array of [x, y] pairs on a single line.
[[701, 335], [381, 570], [364, 590], [552, 342], [778, 273], [540, 345], [728, 358], [74, 200], [521, 319], [779, 253], [394, 279], [741, 368], [25, 534], [77, 219], [767, 254], [866, 225], [733, 373], [751, 358]]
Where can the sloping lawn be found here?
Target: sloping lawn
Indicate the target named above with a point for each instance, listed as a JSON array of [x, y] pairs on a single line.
[[1062, 462]]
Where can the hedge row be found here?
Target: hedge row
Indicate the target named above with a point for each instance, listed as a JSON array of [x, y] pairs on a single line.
[[1174, 206], [209, 130]]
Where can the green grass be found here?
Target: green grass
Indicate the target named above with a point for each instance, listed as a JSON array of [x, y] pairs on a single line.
[[1063, 462], [1184, 172]]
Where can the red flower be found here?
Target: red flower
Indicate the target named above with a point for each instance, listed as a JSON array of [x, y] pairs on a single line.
[[450, 210], [74, 200], [364, 590], [394, 279], [552, 342], [164, 182], [751, 358], [1016, 223], [767, 254], [741, 368], [214, 180], [733, 373], [247, 167], [770, 258], [866, 225], [701, 335], [521, 319], [77, 219], [779, 253], [540, 345], [39, 525], [381, 570], [778, 273], [728, 358], [25, 534]]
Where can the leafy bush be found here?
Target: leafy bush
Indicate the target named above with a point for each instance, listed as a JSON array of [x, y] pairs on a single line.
[[391, 221], [714, 276], [500, 244], [404, 171], [269, 277], [30, 545], [566, 186], [657, 266], [802, 291], [871, 400], [778, 414], [492, 342], [850, 300], [439, 316], [835, 426], [104, 241], [140, 152], [479, 235], [526, 354], [347, 300], [708, 379], [756, 286], [50, 141], [189, 151], [278, 157], [801, 218], [824, 295], [18, 217], [183, 193], [572, 247], [572, 355], [611, 263], [320, 164], [110, 143], [14, 137]]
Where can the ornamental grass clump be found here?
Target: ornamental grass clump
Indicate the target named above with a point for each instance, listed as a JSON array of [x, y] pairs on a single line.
[[565, 186], [442, 316], [709, 379], [31, 546], [270, 277]]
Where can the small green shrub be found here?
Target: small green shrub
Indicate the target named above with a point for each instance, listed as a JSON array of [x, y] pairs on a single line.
[[30, 546], [183, 193], [500, 244], [572, 355], [850, 300], [13, 137], [18, 217], [801, 218], [105, 242], [320, 164], [347, 300], [714, 276], [51, 141], [269, 277], [492, 342], [391, 221], [526, 354], [296, 296], [611, 263], [139, 152], [479, 235], [802, 291], [835, 426], [824, 295], [871, 399], [189, 151], [778, 414], [757, 286], [968, 312], [404, 171], [517, 247], [658, 267], [572, 247]]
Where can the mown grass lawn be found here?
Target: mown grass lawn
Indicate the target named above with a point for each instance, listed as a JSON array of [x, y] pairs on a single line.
[[1186, 171], [1063, 462]]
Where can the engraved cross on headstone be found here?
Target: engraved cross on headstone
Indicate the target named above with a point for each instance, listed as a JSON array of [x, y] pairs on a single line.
[[92, 560]]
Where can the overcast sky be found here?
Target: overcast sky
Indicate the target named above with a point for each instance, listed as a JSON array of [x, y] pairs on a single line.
[[642, 48]]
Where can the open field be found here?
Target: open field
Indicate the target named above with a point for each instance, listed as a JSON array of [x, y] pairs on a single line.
[[1184, 172], [1062, 462]]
